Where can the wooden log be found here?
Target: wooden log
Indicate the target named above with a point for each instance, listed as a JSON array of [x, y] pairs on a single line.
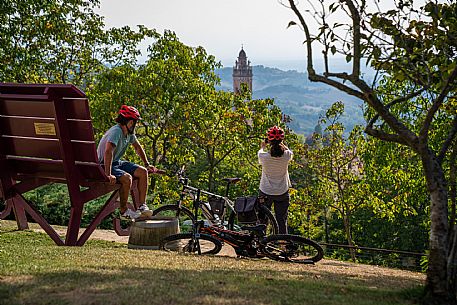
[[148, 233]]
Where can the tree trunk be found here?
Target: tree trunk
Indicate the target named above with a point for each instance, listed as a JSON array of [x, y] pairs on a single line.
[[211, 179], [211, 168], [438, 290], [452, 262], [326, 226], [452, 258], [347, 229], [452, 188]]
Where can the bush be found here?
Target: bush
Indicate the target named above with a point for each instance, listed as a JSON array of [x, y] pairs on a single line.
[[53, 202]]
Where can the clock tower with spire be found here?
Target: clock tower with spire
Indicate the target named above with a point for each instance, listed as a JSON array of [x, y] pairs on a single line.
[[242, 73]]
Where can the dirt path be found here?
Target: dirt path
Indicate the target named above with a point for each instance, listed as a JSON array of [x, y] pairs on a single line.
[[101, 234], [329, 266], [332, 266]]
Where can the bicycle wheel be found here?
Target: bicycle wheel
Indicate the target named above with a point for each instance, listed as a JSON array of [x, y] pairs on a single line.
[[184, 242], [264, 215], [186, 217], [292, 248]]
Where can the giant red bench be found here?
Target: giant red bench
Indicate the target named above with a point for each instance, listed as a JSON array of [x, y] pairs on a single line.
[[46, 136]]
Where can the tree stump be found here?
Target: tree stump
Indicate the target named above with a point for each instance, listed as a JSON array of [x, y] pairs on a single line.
[[148, 233]]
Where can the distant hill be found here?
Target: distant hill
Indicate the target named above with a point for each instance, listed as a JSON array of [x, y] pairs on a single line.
[[302, 100]]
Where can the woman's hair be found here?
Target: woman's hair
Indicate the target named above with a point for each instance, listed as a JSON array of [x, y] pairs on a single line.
[[277, 148], [122, 120]]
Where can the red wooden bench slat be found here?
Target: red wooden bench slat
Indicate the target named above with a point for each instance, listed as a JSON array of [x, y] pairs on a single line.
[[31, 147], [27, 107], [66, 90], [53, 169], [85, 151], [92, 172], [47, 149], [80, 130], [49, 169], [76, 109], [25, 127]]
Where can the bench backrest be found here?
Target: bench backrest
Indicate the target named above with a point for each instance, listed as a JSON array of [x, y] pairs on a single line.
[[46, 132]]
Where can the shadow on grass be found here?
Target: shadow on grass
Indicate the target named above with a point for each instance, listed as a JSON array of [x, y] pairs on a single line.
[[165, 286], [34, 271]]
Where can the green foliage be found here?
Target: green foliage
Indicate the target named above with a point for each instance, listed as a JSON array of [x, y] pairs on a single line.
[[53, 202], [426, 45], [60, 41], [337, 171], [185, 120]]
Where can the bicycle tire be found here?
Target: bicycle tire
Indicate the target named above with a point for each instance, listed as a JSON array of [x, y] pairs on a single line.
[[183, 242], [292, 248], [186, 217], [272, 224]]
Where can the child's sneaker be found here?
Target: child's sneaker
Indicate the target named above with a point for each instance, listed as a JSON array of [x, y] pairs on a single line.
[[130, 215], [144, 210]]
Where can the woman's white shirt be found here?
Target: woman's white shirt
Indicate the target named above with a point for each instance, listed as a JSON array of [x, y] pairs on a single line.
[[275, 174]]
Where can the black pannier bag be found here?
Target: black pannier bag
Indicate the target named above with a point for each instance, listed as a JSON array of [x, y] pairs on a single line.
[[244, 208], [217, 205]]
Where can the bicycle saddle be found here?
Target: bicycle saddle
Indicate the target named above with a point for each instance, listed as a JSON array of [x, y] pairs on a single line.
[[257, 228], [232, 180]]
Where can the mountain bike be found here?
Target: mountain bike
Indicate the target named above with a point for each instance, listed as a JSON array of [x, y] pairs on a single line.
[[216, 209], [251, 242]]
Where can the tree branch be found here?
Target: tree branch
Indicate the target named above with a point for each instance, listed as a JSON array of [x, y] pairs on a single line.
[[355, 16], [379, 134], [396, 101], [423, 134], [343, 75], [337, 85], [448, 142], [309, 48]]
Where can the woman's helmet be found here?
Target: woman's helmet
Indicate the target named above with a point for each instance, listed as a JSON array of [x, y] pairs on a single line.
[[129, 112], [275, 133]]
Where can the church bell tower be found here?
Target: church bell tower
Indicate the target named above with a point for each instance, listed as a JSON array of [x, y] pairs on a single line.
[[242, 73]]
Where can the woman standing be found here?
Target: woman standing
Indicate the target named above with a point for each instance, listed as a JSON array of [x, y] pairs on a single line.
[[275, 182]]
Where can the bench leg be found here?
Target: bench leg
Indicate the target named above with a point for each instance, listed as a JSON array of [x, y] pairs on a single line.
[[74, 224], [120, 231], [109, 207], [22, 205], [19, 213], [7, 210]]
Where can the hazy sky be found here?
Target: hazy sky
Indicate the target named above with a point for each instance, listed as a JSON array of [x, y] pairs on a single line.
[[220, 26]]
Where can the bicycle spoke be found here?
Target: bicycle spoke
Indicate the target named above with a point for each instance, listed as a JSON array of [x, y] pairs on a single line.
[[185, 242], [184, 216], [291, 248]]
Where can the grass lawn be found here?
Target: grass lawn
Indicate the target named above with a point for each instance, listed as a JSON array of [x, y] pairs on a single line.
[[33, 270]]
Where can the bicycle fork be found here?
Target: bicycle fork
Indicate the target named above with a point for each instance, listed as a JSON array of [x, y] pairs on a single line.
[[196, 226]]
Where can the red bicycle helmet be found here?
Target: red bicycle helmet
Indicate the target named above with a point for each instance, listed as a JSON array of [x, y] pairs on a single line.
[[129, 112], [275, 133]]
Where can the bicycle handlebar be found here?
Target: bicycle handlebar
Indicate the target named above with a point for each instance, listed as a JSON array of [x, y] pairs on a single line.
[[184, 181]]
